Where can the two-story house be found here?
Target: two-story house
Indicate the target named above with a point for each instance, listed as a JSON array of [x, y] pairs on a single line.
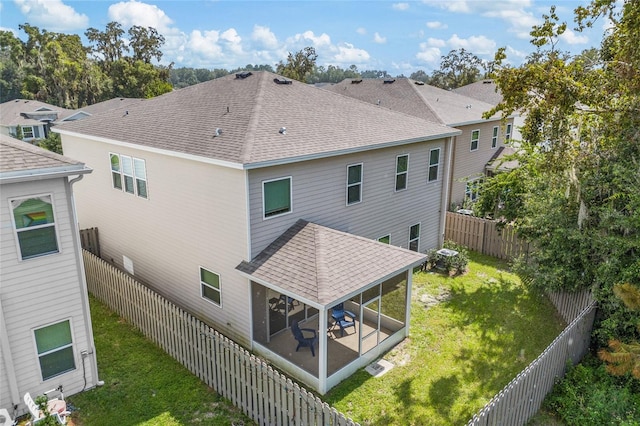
[[254, 201], [474, 149], [29, 118], [46, 338]]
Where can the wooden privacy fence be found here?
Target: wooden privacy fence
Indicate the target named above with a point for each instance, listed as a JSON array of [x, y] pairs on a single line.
[[521, 399], [90, 241], [262, 393], [483, 236]]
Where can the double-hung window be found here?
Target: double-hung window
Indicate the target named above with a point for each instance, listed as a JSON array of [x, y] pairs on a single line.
[[210, 286], [129, 174], [35, 226], [402, 172], [276, 196], [475, 139], [434, 162], [55, 349], [414, 237], [494, 137], [28, 132], [507, 134], [354, 184]]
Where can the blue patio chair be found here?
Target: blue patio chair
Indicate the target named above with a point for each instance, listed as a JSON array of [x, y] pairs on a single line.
[[303, 340], [342, 318]]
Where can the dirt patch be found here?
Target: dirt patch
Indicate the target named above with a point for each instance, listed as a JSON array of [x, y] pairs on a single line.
[[429, 300]]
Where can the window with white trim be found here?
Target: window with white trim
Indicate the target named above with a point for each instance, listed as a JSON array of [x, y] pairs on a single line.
[[276, 197], [129, 174], [35, 226], [472, 189], [434, 162], [494, 137], [386, 239], [402, 172], [414, 237], [507, 134], [210, 287], [354, 183], [28, 132], [54, 345], [475, 139]]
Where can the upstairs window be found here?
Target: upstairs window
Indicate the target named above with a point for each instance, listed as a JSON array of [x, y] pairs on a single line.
[[354, 184], [276, 197], [129, 174], [414, 237], [402, 172], [507, 134], [55, 349], [28, 132], [475, 139], [434, 162], [210, 286], [35, 226], [494, 137]]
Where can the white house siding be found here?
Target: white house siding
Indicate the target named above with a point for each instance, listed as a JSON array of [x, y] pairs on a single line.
[[469, 164], [195, 216], [41, 291], [319, 195]]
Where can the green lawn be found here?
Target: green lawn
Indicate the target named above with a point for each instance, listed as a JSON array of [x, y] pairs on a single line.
[[461, 351]]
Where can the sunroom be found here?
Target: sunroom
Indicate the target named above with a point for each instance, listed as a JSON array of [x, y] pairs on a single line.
[[304, 277]]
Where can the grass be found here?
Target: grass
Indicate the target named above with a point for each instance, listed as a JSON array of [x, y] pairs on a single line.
[[143, 385], [461, 351]]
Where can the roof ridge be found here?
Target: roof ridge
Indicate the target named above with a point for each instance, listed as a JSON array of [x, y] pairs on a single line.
[[427, 103], [322, 274], [252, 125]]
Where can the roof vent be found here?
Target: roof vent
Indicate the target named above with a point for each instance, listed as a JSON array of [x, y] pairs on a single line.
[[389, 81], [243, 74], [218, 132], [378, 103], [281, 80], [356, 81], [419, 83], [487, 82], [469, 106], [283, 130]]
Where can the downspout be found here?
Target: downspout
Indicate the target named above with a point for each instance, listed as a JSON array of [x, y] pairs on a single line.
[[10, 369], [89, 352], [445, 193]]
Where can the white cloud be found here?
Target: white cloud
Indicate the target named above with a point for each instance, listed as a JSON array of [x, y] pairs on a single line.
[[478, 45], [52, 14], [429, 55], [264, 37], [400, 6], [205, 43], [451, 6], [232, 41], [349, 54], [322, 40], [142, 14], [515, 52], [361, 31], [436, 42], [377, 38], [571, 37], [437, 25]]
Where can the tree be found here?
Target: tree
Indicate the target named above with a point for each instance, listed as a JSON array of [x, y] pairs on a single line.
[[299, 65], [578, 192], [52, 143], [420, 75], [145, 43], [457, 68]]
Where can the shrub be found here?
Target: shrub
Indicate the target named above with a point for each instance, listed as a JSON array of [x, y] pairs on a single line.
[[449, 263]]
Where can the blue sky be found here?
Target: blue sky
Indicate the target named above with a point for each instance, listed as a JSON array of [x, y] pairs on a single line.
[[399, 37]]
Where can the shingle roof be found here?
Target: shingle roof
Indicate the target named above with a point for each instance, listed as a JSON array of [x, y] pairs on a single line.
[[415, 98], [250, 112], [18, 158], [108, 105], [484, 90], [24, 112], [322, 265]]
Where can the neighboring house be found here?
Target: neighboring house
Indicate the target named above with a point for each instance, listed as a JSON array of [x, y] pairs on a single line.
[[474, 148], [100, 107], [46, 338], [254, 201], [33, 118]]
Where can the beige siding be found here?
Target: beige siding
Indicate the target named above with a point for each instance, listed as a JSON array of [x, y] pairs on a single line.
[[195, 216], [41, 291], [319, 195], [467, 164]]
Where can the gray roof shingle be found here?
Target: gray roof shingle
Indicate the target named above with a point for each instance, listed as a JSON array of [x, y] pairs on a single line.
[[24, 112], [250, 112], [322, 265], [484, 90]]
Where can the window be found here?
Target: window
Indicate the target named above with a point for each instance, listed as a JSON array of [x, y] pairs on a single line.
[[414, 237], [210, 286], [402, 167], [494, 137], [507, 134], [472, 190], [55, 349], [354, 184], [276, 196], [475, 138], [129, 174], [35, 226], [434, 161], [386, 239], [28, 132]]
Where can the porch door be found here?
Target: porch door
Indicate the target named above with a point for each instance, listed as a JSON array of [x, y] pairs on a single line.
[[369, 325]]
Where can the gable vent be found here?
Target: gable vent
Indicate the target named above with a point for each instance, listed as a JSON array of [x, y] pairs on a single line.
[[356, 81], [389, 81], [281, 80], [243, 74]]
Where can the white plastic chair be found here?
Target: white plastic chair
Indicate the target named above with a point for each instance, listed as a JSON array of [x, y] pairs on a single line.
[[57, 407]]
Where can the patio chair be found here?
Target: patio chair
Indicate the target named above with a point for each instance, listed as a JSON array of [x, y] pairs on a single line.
[[57, 407], [303, 340], [342, 318]]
